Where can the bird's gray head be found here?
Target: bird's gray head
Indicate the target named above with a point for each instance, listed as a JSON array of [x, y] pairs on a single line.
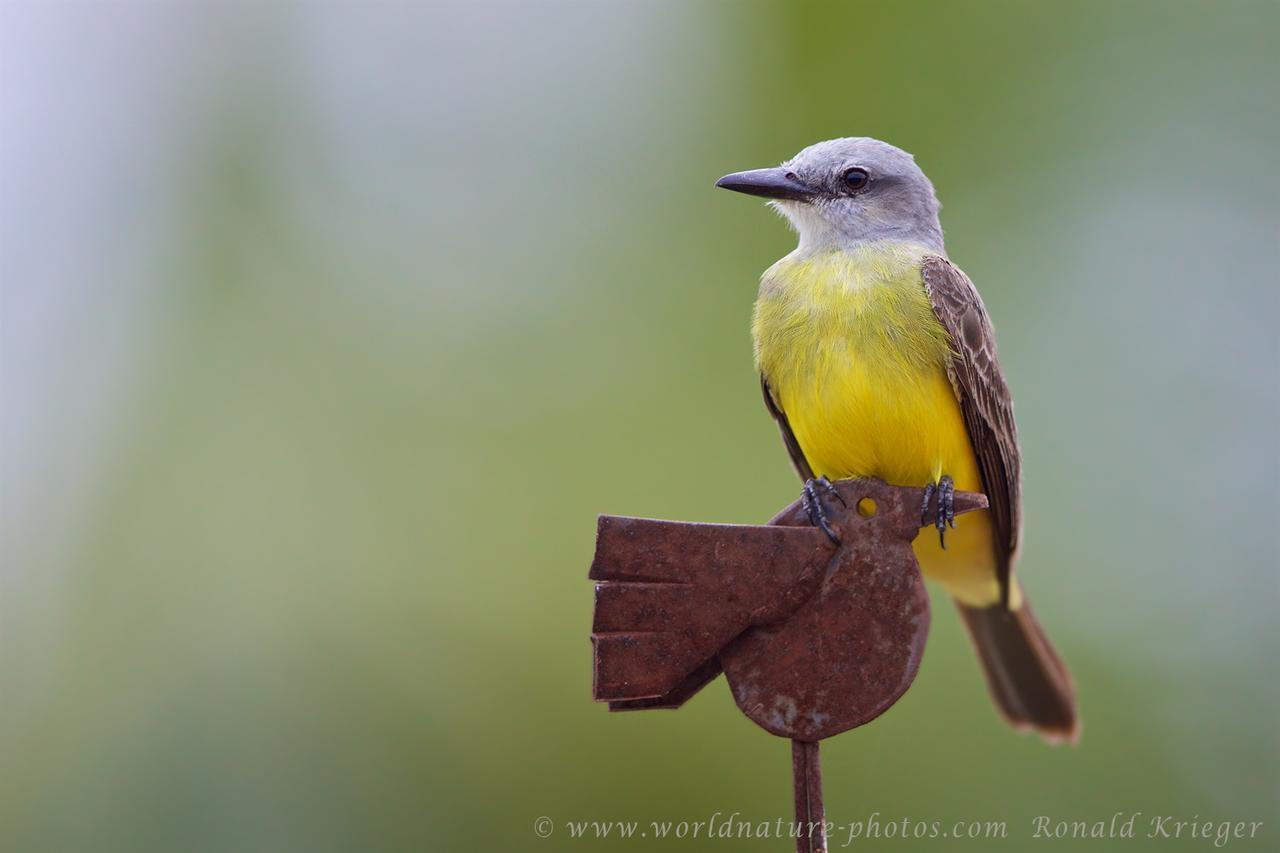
[[848, 191]]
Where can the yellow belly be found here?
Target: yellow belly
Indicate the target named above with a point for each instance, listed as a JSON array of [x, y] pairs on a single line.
[[856, 358]]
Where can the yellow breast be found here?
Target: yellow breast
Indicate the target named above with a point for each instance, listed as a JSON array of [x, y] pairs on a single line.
[[856, 358], [850, 345]]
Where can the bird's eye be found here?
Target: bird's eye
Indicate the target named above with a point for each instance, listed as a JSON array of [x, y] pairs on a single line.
[[855, 179]]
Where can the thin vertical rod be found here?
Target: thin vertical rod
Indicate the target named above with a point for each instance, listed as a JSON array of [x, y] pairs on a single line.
[[800, 780], [806, 773]]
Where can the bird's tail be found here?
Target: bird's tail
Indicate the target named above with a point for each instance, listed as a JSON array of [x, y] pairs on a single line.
[[1028, 681]]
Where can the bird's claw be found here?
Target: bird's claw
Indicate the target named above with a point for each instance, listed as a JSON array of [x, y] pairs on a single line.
[[812, 501], [941, 513], [826, 486]]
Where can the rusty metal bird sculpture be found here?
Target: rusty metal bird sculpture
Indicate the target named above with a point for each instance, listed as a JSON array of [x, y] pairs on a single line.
[[815, 636]]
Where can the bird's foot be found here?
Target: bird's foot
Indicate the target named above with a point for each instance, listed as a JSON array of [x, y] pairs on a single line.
[[942, 512], [811, 497]]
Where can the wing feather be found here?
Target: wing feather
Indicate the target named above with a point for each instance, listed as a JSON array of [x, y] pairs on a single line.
[[985, 402]]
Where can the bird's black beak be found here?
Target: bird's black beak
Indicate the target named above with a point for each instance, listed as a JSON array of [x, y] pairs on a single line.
[[769, 183]]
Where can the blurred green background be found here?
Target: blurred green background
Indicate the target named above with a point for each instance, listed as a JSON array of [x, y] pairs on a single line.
[[328, 328]]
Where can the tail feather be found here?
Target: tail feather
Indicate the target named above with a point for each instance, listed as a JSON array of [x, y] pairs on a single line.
[[1030, 684]]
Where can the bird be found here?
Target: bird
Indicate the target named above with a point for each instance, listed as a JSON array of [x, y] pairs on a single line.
[[877, 358]]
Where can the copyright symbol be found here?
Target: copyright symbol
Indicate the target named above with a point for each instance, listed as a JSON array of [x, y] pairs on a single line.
[[543, 827]]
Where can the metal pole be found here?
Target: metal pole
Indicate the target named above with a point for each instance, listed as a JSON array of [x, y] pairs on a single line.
[[810, 817]]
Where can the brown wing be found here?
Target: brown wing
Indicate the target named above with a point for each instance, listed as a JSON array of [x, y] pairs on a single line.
[[788, 437], [984, 401]]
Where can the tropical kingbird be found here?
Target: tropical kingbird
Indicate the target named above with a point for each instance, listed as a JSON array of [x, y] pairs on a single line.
[[877, 359]]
